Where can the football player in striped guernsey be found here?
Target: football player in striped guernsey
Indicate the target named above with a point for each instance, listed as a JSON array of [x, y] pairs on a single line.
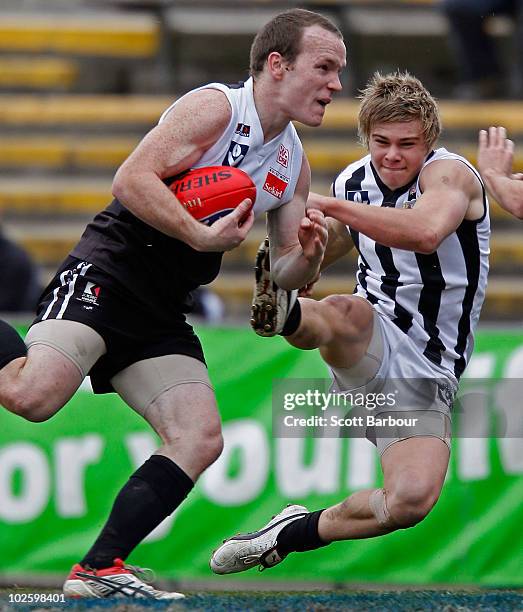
[[495, 161], [418, 216]]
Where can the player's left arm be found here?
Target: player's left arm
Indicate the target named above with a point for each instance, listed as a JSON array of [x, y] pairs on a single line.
[[451, 192], [297, 237]]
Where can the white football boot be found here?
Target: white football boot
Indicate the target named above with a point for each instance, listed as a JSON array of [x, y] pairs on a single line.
[[270, 305], [247, 550], [120, 580]]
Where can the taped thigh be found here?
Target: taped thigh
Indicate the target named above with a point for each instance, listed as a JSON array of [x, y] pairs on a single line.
[[413, 424], [80, 343], [367, 368], [144, 381]]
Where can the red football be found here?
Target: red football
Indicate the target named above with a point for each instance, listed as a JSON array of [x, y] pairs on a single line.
[[212, 192]]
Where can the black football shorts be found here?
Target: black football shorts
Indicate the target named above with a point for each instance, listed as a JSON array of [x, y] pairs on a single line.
[[82, 292]]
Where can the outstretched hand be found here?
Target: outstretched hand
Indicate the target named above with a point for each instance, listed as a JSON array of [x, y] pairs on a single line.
[[313, 235], [495, 160], [495, 152]]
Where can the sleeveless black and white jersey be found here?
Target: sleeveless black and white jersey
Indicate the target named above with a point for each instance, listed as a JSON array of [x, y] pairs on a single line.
[[435, 299], [161, 271]]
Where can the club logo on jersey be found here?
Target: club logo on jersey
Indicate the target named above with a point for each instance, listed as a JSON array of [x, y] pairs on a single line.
[[357, 196], [91, 294], [283, 156], [411, 198], [235, 155], [243, 130], [275, 183]]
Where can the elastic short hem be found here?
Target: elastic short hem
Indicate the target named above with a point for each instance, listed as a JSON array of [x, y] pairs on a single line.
[[60, 350], [101, 380], [177, 384], [446, 441]]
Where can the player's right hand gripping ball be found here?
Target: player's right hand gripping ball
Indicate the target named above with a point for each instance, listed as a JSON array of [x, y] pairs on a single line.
[[212, 192]]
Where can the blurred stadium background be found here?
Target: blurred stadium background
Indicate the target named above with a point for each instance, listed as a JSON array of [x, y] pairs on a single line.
[[81, 81]]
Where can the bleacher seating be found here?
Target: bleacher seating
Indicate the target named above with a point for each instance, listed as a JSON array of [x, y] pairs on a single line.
[[76, 48], [83, 34], [21, 72], [134, 112], [62, 138]]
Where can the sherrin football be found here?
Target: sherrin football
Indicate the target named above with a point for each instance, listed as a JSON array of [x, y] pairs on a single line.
[[212, 192]]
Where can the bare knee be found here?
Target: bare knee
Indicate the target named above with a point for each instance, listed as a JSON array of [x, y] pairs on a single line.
[[28, 405], [343, 304], [351, 316], [337, 317], [210, 447], [35, 388], [411, 500], [207, 447], [203, 445], [338, 309]]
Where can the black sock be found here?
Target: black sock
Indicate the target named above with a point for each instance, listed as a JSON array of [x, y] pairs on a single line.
[[293, 320], [11, 344], [300, 535], [151, 494]]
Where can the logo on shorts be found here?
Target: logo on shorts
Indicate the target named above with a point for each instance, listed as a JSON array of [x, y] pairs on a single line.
[[91, 294], [283, 156], [275, 183], [446, 394]]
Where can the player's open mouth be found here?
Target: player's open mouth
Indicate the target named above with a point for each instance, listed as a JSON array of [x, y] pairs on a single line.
[[323, 102]]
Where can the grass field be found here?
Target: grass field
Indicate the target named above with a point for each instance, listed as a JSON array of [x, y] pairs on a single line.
[[357, 601]]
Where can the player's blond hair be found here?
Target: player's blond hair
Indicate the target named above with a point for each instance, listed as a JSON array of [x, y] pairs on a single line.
[[397, 97], [284, 34]]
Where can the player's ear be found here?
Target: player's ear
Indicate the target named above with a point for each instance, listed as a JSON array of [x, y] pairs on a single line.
[[276, 65]]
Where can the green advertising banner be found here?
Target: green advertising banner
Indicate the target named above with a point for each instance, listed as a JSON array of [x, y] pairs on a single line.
[[58, 480]]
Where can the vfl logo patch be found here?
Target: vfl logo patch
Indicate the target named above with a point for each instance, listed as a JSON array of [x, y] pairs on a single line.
[[275, 183], [446, 394], [358, 196], [235, 155], [91, 294], [411, 200], [243, 130], [283, 156]]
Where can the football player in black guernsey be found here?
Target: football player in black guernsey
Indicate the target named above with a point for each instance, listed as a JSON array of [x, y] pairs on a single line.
[[116, 308]]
